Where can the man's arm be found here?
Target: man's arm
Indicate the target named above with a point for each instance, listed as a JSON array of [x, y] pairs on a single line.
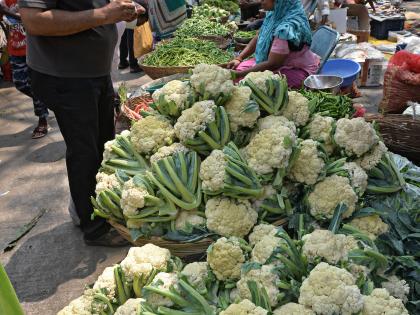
[[62, 23]]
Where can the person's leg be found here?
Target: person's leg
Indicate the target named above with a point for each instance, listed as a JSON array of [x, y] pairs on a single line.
[[134, 65], [22, 82], [123, 51]]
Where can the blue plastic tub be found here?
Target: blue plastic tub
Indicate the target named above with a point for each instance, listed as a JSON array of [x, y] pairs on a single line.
[[344, 68]]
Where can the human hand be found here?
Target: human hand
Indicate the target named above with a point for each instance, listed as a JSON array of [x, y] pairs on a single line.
[[120, 10], [233, 64]]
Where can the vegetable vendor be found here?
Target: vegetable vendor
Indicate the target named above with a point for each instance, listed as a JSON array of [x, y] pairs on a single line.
[[282, 44]]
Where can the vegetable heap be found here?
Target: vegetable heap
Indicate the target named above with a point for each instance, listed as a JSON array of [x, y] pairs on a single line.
[[245, 34], [228, 5], [198, 26], [207, 11], [232, 162], [186, 52]]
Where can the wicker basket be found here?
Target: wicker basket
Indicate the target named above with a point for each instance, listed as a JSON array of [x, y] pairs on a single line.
[[160, 72], [223, 42], [131, 104], [400, 134]]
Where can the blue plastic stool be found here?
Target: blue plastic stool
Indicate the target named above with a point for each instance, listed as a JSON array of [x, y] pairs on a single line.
[[324, 41]]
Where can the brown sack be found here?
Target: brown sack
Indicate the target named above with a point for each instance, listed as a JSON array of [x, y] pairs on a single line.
[[143, 40]]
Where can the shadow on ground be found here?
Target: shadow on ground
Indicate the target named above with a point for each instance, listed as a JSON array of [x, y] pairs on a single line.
[[37, 268], [51, 152]]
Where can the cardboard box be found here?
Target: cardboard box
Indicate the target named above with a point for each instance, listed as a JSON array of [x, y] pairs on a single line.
[[358, 22], [372, 72], [339, 18]]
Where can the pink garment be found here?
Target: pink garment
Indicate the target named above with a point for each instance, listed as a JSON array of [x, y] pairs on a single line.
[[297, 66]]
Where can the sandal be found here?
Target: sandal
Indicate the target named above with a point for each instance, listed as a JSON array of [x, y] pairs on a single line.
[[40, 131]]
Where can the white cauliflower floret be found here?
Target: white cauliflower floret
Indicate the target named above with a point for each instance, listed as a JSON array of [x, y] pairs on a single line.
[[329, 193], [130, 307], [188, 218], [212, 171], [230, 217], [236, 106], [275, 122], [358, 270], [175, 91], [371, 225], [380, 302], [370, 159], [293, 309], [356, 136], [151, 133], [106, 282], [105, 181], [270, 149], [263, 250], [132, 198], [358, 177], [215, 80], [195, 119], [166, 151], [320, 129], [329, 290], [327, 245], [163, 281], [397, 287], [245, 307], [260, 231], [142, 260], [80, 306], [259, 79], [297, 109], [308, 165], [264, 277], [197, 274], [225, 258], [108, 153]]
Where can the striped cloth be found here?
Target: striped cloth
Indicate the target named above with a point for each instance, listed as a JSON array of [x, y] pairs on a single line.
[[166, 15]]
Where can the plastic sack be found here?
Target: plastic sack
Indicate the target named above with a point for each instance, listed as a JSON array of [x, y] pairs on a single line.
[[401, 82], [143, 40]]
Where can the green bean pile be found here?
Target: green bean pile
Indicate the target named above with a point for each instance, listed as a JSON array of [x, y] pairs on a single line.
[[181, 52], [243, 34], [196, 27]]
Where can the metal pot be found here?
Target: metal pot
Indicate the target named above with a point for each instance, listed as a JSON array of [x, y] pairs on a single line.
[[326, 83]]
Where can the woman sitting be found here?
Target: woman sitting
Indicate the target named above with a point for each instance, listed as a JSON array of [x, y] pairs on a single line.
[[282, 44]]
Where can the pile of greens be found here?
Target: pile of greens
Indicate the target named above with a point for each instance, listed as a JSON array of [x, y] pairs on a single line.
[[228, 5], [197, 26], [245, 35], [186, 52]]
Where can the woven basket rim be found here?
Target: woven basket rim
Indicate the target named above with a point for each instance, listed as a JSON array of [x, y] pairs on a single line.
[[142, 65]]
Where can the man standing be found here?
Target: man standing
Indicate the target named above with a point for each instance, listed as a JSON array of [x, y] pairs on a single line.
[[319, 8], [70, 50]]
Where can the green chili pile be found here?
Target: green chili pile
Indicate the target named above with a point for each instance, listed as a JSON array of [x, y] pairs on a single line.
[[186, 52]]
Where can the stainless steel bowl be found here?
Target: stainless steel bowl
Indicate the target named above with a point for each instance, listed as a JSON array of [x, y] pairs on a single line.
[[328, 83]]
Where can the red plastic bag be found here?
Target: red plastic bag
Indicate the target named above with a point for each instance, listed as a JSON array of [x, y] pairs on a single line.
[[401, 82]]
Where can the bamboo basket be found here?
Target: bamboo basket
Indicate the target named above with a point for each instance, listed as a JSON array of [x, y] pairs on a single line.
[[223, 42], [400, 134]]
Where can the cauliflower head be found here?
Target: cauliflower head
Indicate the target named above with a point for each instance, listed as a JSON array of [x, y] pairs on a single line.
[[186, 219], [245, 307], [174, 91], [275, 122], [327, 245], [358, 177], [80, 306], [108, 153], [166, 151], [105, 181], [329, 290], [195, 119], [308, 165], [380, 302], [142, 260], [197, 274], [130, 307], [320, 129], [270, 149], [263, 250], [163, 281], [297, 109], [214, 79], [370, 159], [371, 225], [106, 282], [356, 136], [151, 133], [236, 106], [259, 79], [329, 193], [293, 309], [212, 171], [397, 287], [225, 258], [260, 231], [132, 198], [264, 277], [230, 217]]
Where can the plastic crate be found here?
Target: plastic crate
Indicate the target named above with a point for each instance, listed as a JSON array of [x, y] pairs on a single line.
[[380, 29]]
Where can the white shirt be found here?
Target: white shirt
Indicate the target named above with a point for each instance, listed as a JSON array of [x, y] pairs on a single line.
[[322, 8]]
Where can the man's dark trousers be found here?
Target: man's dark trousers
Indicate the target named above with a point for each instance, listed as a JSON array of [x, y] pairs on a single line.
[[84, 110]]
